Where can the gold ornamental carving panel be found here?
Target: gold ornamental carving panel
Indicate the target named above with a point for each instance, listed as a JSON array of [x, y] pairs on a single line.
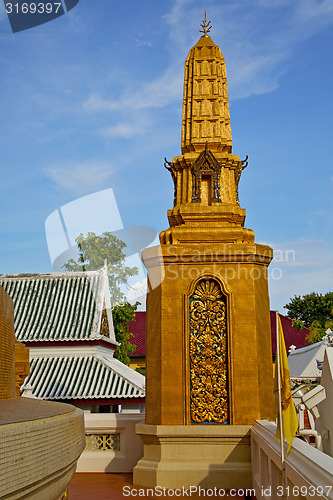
[[208, 353]]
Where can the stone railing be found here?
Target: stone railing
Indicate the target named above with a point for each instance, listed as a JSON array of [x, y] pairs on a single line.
[[111, 443], [308, 472]]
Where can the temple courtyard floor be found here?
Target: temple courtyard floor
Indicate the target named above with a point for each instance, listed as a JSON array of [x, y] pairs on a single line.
[[99, 486]]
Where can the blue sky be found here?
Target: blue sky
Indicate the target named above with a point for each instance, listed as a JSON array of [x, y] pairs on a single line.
[[93, 100]]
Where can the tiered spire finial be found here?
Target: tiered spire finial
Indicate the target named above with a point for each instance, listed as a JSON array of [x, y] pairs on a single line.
[[206, 27], [206, 116]]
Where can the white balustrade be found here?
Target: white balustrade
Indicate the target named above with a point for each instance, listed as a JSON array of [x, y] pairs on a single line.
[[112, 444], [308, 472]]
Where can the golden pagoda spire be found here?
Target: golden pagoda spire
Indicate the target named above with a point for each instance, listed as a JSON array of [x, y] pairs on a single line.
[[206, 27], [206, 116], [206, 174]]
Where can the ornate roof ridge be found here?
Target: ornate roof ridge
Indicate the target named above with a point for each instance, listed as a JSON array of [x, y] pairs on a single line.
[[65, 274]]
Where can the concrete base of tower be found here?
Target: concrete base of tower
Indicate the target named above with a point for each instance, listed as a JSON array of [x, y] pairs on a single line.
[[209, 456]]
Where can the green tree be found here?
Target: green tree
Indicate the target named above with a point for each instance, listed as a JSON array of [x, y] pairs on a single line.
[[93, 251], [317, 332], [314, 311], [122, 315]]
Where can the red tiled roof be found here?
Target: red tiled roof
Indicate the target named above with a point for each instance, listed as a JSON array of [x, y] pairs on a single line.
[[292, 336], [138, 328]]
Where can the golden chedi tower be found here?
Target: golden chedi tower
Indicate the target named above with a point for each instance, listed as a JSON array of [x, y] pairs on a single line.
[[209, 361]]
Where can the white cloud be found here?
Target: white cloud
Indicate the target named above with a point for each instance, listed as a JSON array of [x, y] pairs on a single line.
[[143, 43], [157, 93], [303, 253], [137, 291], [306, 281], [256, 57], [125, 130], [298, 268], [312, 10], [97, 103], [79, 177], [255, 62], [273, 3]]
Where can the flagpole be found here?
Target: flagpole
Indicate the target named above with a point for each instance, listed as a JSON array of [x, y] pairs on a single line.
[[279, 385], [283, 470]]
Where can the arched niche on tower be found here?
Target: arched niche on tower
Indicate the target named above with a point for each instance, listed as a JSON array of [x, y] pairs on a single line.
[[206, 171], [207, 343]]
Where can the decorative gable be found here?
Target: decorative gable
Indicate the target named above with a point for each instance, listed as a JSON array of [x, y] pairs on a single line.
[[206, 165]]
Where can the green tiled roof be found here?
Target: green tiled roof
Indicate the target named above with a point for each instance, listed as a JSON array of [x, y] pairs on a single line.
[[58, 306], [83, 377]]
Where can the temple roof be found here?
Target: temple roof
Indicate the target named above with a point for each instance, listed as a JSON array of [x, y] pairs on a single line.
[[303, 362], [292, 336], [89, 374], [138, 328], [59, 307]]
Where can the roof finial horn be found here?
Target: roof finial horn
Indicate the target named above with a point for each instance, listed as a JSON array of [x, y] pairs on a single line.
[[206, 27]]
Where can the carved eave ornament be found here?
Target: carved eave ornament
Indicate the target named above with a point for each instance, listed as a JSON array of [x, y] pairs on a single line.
[[171, 168], [238, 172]]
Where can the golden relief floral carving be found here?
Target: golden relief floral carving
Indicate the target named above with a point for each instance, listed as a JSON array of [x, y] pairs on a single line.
[[209, 400]]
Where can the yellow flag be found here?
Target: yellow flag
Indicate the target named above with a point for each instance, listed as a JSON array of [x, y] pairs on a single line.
[[289, 416]]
